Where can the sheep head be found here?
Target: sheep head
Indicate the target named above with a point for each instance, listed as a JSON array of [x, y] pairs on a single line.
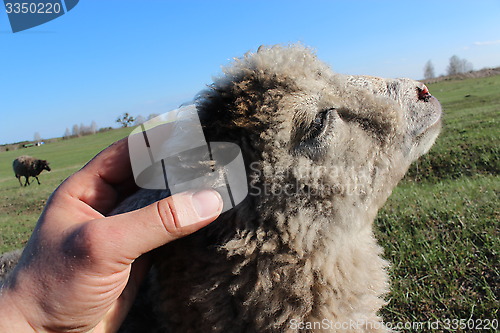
[[322, 153], [315, 139], [43, 165]]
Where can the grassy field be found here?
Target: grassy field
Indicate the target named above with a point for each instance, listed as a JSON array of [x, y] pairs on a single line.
[[439, 229], [21, 206]]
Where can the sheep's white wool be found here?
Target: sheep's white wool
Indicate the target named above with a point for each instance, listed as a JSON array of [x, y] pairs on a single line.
[[323, 152]]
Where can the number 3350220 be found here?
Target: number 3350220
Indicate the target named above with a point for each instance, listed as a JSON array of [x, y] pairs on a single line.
[[32, 8]]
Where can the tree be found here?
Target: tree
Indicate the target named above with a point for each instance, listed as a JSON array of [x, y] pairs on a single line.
[[458, 66], [67, 133], [76, 130], [429, 70], [37, 137], [139, 120], [93, 127], [125, 120], [84, 130], [153, 115]]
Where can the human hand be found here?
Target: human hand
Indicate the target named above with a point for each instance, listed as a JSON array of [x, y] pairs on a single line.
[[80, 270]]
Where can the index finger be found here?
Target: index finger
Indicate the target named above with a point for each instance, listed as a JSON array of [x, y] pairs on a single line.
[[112, 164], [97, 182]]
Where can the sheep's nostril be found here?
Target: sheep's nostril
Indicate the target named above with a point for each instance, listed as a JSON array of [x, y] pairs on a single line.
[[423, 93]]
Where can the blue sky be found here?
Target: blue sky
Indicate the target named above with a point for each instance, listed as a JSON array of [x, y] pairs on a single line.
[[107, 57]]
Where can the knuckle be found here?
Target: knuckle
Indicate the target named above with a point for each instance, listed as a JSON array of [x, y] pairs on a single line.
[[169, 217]]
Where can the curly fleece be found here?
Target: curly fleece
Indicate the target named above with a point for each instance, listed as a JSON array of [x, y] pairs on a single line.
[[323, 152]]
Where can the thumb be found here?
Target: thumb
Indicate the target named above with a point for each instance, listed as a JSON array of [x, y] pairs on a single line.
[[140, 231]]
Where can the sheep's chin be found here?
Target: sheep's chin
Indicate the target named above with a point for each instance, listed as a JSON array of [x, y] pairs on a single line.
[[426, 140]]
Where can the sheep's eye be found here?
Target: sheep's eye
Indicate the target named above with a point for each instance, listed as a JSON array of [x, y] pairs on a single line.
[[313, 136], [423, 94], [320, 122]]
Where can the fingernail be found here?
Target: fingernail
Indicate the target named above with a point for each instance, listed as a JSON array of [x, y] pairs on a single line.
[[207, 203]]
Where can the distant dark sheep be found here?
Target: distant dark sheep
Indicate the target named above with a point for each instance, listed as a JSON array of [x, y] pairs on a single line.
[[28, 166]]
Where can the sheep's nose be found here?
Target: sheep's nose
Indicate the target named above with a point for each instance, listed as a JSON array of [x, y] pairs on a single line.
[[423, 93]]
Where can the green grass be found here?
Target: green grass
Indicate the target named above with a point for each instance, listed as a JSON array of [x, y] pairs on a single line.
[[439, 229], [20, 207], [442, 241]]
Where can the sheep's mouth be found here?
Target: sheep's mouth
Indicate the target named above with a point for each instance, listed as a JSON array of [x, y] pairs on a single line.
[[436, 120], [431, 121], [434, 128]]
